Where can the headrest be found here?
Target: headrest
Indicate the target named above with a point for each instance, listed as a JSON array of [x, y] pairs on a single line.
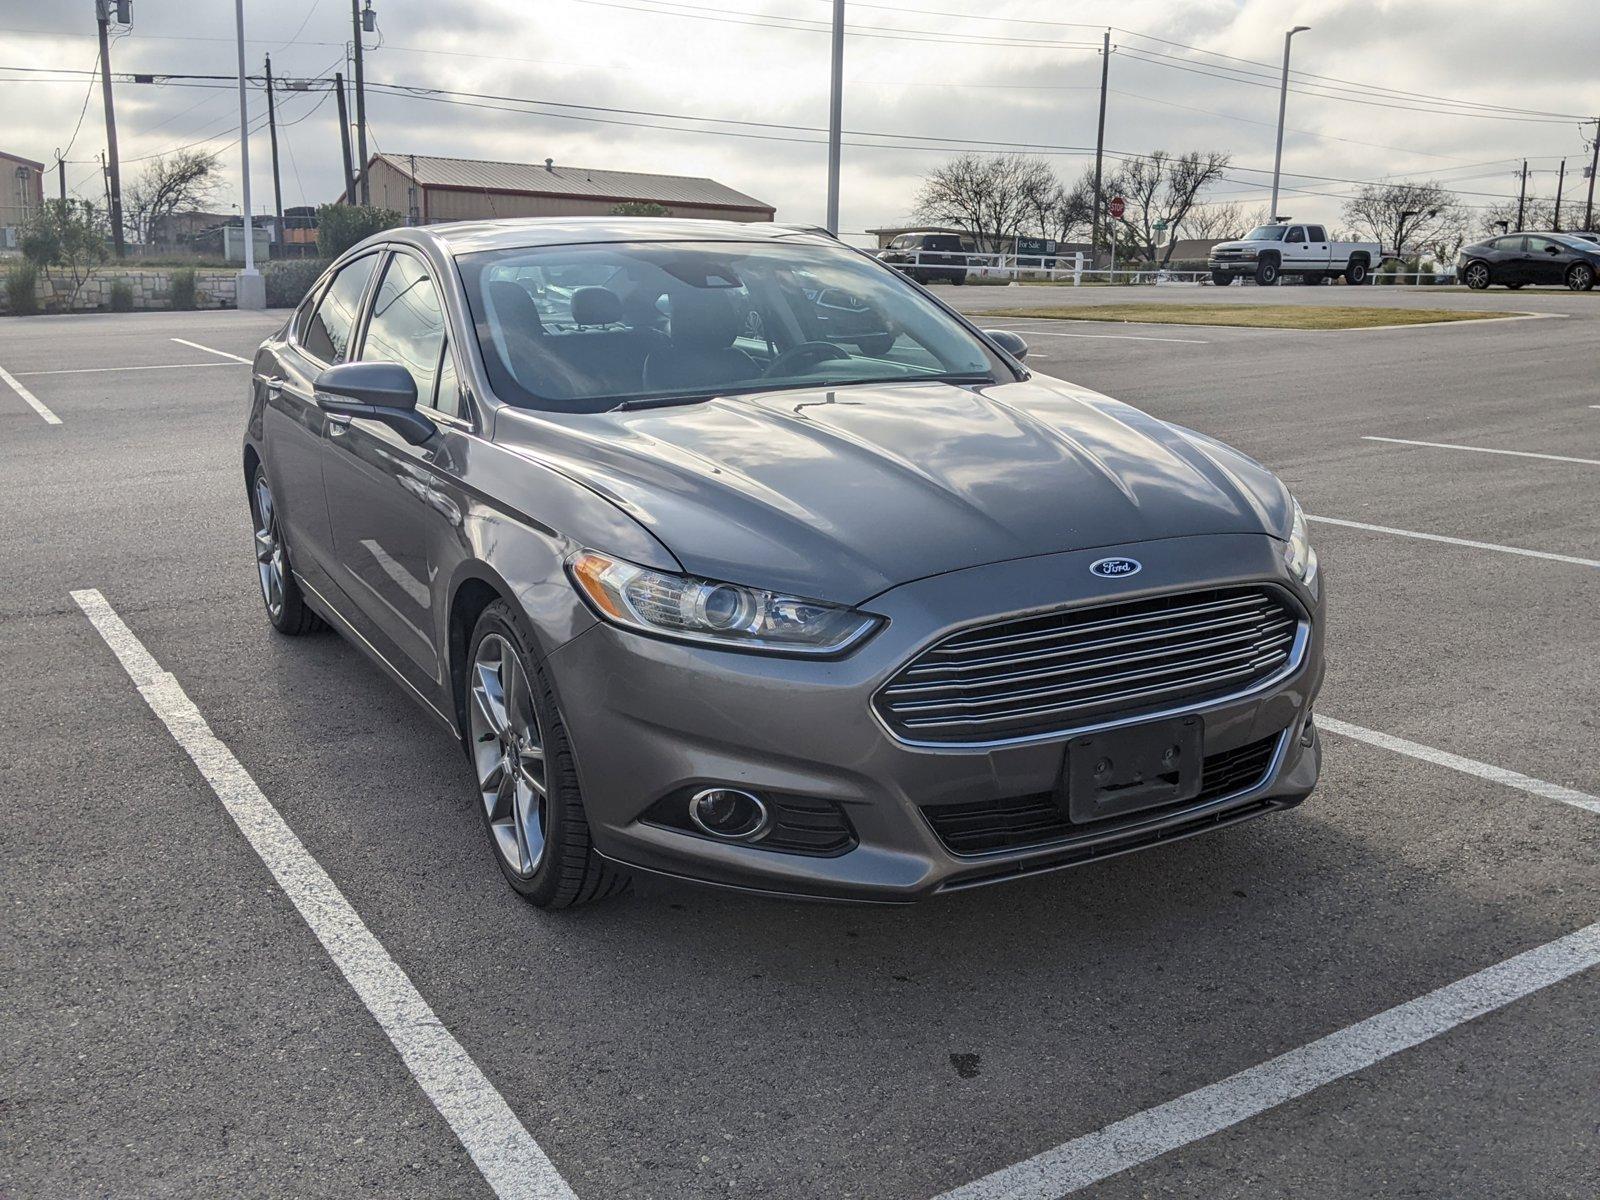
[[703, 319], [515, 307], [596, 306]]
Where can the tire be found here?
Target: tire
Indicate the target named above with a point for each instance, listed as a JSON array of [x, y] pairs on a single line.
[[1267, 274], [1476, 276], [1356, 274], [1221, 278], [525, 773], [959, 279], [280, 594], [1580, 277]]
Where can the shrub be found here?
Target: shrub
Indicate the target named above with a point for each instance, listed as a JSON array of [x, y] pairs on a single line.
[[22, 280], [1387, 272], [121, 296], [639, 208], [340, 226], [182, 291], [70, 234], [288, 280]]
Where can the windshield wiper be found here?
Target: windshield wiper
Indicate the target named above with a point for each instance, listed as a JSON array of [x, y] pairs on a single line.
[[664, 401]]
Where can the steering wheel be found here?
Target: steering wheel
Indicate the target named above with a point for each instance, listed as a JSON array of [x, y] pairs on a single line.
[[805, 354]]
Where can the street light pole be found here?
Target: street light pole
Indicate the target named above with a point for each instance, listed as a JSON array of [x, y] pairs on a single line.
[[251, 288], [1283, 106], [836, 117]]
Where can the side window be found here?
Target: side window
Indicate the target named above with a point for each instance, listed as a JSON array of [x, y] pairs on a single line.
[[1539, 245], [1296, 234], [1316, 233], [327, 334], [407, 325], [447, 396]]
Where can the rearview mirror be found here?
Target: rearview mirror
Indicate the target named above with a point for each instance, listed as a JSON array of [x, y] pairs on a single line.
[[375, 391], [1010, 342]]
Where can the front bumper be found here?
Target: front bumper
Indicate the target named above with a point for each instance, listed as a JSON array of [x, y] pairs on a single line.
[[1236, 266], [650, 719]]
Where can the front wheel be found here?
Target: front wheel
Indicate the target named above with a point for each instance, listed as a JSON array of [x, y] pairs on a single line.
[[1476, 276], [1580, 277], [527, 780], [1266, 274], [1221, 278], [286, 607]]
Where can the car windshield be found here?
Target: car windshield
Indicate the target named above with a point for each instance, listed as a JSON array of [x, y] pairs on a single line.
[[1266, 233], [586, 328]]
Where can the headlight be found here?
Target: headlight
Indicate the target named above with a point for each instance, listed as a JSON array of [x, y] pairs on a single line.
[[724, 614], [1250, 254], [1298, 554]]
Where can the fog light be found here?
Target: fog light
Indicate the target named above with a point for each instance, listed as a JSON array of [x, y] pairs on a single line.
[[728, 813]]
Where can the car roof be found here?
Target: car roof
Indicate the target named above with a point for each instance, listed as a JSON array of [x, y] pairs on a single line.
[[466, 237]]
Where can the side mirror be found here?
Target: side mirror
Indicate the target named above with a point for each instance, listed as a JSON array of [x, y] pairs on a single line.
[[1010, 342], [375, 391]]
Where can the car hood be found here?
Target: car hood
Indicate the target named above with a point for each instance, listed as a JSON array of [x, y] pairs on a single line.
[[1241, 245], [841, 493]]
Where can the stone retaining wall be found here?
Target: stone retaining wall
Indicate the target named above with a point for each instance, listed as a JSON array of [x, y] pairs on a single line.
[[152, 288]]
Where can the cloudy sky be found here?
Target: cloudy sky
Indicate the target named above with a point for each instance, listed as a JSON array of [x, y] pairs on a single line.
[[1455, 90]]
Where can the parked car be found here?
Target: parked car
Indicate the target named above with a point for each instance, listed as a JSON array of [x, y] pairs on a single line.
[[928, 257], [749, 607], [1519, 259], [1269, 252]]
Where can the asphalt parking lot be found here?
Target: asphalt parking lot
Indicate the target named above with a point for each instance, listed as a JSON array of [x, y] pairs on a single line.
[[172, 1026]]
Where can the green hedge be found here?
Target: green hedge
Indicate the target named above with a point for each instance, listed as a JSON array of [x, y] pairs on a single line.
[[183, 293], [340, 226], [121, 296], [22, 277], [289, 279]]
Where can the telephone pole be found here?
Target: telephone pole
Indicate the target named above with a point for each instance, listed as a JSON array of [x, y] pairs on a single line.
[[1522, 195], [835, 116], [1594, 169], [1100, 143], [344, 138], [277, 188], [361, 99], [61, 174], [250, 289], [1561, 183], [102, 12]]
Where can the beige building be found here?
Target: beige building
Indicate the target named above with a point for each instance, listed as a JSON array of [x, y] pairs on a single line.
[[21, 195], [425, 189]]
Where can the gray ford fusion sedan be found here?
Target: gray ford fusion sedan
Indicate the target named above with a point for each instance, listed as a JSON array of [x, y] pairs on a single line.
[[730, 554]]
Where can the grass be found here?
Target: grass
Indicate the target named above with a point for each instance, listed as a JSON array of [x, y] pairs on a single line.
[[1249, 316]]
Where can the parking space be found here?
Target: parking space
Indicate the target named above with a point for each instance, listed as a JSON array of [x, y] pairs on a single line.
[[175, 1022]]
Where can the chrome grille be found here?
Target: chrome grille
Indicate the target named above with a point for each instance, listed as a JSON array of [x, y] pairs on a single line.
[[1064, 670]]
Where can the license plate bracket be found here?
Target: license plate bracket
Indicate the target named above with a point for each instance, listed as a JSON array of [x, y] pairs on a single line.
[[1120, 771]]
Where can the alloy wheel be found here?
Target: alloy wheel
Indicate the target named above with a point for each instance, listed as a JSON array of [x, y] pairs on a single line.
[[1477, 276], [270, 563], [1581, 278], [508, 754]]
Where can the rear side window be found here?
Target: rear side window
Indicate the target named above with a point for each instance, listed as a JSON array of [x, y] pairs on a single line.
[[327, 334], [1316, 233], [942, 242], [407, 325]]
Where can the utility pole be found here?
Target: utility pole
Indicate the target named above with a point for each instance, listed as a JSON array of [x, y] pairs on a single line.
[[361, 99], [277, 188], [344, 138], [1561, 183], [1283, 107], [1594, 169], [1522, 195], [251, 289], [835, 117], [102, 12], [61, 174], [1100, 141]]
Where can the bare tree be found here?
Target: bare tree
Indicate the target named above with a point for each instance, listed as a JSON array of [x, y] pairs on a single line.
[[1216, 222], [1537, 213], [996, 196], [1402, 216], [1159, 187], [181, 182]]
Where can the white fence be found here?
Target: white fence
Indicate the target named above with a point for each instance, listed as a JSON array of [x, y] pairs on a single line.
[[1064, 268]]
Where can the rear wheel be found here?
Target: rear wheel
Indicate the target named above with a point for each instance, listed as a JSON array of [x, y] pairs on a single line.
[[1580, 277], [1356, 273], [1476, 276], [1267, 273], [527, 779], [286, 607]]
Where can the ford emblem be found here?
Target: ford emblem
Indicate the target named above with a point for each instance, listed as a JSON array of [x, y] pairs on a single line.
[[1115, 568]]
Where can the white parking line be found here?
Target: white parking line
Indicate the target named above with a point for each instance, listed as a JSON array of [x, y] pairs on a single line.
[[1455, 541], [32, 401], [211, 350], [1199, 1114], [511, 1161], [1114, 337], [101, 370], [1592, 462], [1469, 766]]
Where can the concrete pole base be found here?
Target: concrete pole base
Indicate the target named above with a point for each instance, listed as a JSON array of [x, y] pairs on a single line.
[[252, 290]]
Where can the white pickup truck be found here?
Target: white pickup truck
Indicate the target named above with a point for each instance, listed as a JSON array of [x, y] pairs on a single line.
[[1270, 251]]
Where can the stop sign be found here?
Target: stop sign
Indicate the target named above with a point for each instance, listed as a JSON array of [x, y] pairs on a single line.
[[1116, 207]]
